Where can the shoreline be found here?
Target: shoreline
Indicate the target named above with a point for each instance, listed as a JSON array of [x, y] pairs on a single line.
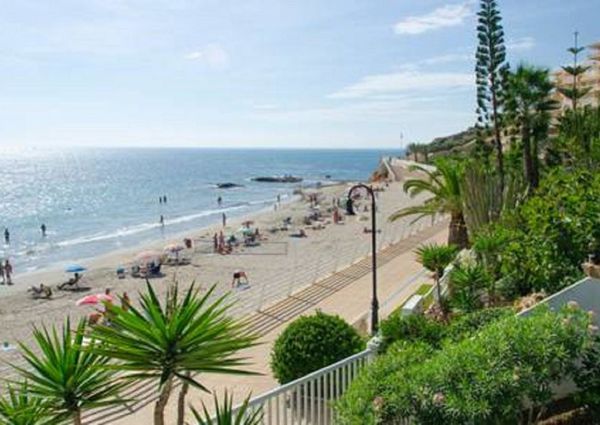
[[278, 267]]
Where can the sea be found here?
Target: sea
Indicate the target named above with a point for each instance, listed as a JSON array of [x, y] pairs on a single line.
[[96, 200]]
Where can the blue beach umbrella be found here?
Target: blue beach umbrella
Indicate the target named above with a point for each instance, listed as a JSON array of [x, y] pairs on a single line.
[[75, 268]]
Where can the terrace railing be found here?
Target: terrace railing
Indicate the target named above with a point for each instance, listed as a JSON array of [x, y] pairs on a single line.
[[308, 400]]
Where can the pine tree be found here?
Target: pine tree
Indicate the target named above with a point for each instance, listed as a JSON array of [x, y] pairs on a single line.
[[574, 92], [490, 70]]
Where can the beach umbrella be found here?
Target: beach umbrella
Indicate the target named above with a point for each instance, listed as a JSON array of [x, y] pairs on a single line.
[[75, 268], [94, 299], [147, 257]]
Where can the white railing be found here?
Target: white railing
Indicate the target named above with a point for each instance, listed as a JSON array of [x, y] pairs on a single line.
[[308, 400]]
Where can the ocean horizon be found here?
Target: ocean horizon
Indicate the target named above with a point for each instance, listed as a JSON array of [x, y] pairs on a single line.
[[97, 200]]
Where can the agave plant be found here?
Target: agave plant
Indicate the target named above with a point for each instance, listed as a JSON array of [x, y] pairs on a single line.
[[224, 413], [19, 407], [169, 342], [67, 375]]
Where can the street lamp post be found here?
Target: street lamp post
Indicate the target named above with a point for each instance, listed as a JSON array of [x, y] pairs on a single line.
[[374, 301]]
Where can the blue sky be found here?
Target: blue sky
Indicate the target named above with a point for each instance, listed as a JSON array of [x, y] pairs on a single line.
[[257, 73]]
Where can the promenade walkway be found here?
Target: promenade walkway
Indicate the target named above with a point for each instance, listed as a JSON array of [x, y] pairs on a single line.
[[346, 293]]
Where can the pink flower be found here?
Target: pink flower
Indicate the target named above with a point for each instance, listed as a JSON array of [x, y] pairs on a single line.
[[438, 398]]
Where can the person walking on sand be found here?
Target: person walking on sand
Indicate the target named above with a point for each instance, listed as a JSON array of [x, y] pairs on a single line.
[[224, 217], [162, 220], [215, 243], [43, 229], [2, 272], [6, 236], [8, 272]]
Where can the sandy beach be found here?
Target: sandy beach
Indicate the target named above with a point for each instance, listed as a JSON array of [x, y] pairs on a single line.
[[276, 268]]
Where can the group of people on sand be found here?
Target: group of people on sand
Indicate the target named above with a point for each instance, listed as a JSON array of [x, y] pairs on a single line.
[[6, 271]]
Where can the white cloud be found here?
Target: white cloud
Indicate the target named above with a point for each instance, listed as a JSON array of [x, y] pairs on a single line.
[[449, 15], [403, 81], [521, 44], [212, 55]]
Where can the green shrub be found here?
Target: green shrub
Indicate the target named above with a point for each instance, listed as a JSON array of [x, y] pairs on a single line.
[[311, 343], [488, 378], [414, 327], [587, 379], [468, 283], [467, 325]]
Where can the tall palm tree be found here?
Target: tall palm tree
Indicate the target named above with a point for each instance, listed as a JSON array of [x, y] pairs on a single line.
[[69, 376], [224, 413], [436, 258], [19, 407], [529, 105], [444, 184], [168, 342]]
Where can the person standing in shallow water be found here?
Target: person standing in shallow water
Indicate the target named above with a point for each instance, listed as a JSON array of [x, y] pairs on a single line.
[[224, 220], [8, 272], [43, 229], [162, 221], [6, 236]]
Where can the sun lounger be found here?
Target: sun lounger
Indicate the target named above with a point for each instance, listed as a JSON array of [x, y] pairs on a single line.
[[72, 283]]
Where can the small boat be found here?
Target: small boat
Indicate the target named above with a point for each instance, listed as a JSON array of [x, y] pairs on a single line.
[[278, 179], [228, 185]]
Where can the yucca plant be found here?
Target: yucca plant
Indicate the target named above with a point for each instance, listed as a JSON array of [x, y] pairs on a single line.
[[171, 341], [444, 184], [224, 413], [436, 258], [467, 282], [67, 375], [19, 407]]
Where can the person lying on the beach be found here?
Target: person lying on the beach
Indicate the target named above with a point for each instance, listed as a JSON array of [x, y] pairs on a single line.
[[237, 278], [42, 291], [74, 281], [299, 234]]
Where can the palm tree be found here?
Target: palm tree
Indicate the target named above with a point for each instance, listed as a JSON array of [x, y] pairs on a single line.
[[444, 184], [529, 106], [169, 342], [225, 415], [436, 258], [69, 376], [18, 407]]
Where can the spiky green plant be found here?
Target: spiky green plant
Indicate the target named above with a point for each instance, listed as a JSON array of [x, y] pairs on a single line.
[[444, 184], [19, 407], [69, 375], [490, 69], [467, 282], [225, 414], [170, 341], [436, 258]]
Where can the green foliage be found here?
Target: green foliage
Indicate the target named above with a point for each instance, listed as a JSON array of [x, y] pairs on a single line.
[[550, 234], [490, 69], [467, 325], [311, 343], [165, 342], [587, 379], [467, 283], [367, 398], [18, 407], [574, 92], [411, 328], [67, 375], [435, 257], [444, 185], [224, 413], [528, 108], [490, 377]]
